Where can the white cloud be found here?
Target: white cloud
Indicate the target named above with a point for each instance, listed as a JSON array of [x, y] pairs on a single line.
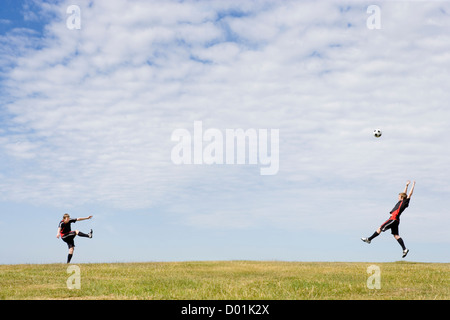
[[90, 114]]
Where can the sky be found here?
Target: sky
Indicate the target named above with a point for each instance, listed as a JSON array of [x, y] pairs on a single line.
[[90, 99]]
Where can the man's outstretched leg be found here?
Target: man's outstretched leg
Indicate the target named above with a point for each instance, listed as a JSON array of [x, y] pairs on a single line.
[[402, 244], [81, 234], [375, 234]]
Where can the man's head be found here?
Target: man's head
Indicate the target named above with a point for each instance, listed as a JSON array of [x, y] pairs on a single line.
[[66, 217], [402, 196]]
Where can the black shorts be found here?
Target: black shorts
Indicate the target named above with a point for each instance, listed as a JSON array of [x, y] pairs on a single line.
[[68, 238], [390, 224]]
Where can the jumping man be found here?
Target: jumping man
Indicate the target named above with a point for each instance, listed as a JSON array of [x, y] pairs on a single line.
[[67, 235], [394, 220]]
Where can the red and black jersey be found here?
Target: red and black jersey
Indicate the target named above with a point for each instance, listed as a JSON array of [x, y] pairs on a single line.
[[398, 209], [65, 227]]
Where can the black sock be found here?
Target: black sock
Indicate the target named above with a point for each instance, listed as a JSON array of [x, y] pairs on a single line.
[[69, 257], [81, 234], [400, 240], [375, 234]]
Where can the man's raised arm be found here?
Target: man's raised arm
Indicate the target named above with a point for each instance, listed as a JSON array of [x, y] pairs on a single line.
[[81, 219], [406, 187], [412, 189]]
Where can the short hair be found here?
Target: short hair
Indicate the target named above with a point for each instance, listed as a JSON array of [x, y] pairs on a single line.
[[66, 215], [403, 195]]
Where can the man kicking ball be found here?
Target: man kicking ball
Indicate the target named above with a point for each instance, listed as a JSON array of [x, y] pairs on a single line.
[[394, 220], [67, 235]]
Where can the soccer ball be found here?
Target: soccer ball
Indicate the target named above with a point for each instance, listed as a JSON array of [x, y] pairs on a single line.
[[377, 133]]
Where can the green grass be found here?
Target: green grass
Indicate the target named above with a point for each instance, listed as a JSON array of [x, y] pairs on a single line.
[[217, 280]]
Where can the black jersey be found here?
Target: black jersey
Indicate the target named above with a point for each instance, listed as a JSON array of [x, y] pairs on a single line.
[[65, 227], [398, 209]]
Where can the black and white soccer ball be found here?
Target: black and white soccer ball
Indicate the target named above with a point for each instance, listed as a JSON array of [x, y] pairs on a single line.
[[377, 133]]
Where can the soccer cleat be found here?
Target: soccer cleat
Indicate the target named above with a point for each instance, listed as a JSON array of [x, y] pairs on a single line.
[[90, 234], [405, 252], [366, 240]]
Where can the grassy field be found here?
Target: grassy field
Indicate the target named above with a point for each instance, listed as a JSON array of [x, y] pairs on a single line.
[[230, 280]]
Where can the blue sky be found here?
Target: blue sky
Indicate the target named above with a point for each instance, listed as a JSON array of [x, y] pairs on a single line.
[[87, 115]]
